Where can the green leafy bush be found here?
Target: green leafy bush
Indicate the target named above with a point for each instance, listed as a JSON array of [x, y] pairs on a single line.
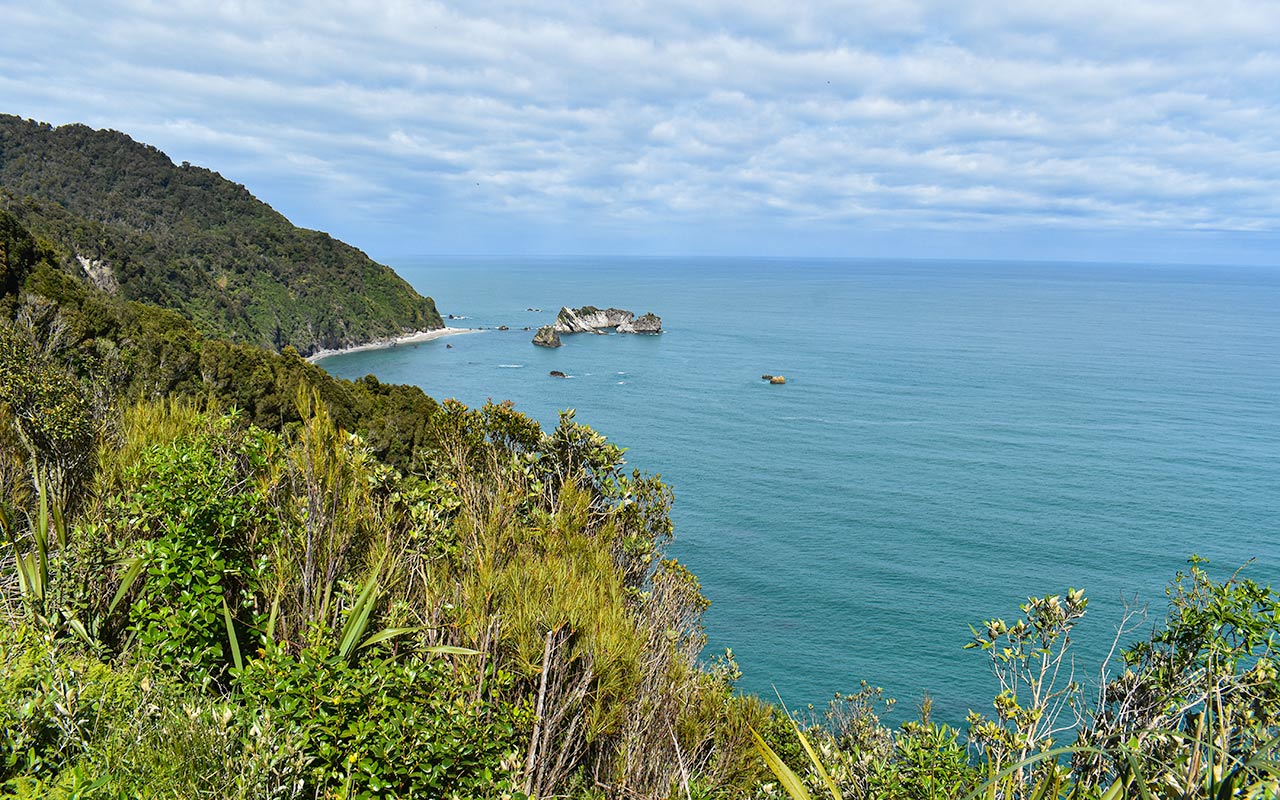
[[52, 703], [190, 512], [385, 727]]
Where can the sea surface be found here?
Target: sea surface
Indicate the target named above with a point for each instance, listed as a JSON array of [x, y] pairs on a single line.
[[952, 437]]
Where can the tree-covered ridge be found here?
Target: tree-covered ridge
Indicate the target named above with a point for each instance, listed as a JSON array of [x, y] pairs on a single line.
[[128, 351], [185, 238]]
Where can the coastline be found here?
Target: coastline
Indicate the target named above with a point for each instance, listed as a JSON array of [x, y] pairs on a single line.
[[410, 338]]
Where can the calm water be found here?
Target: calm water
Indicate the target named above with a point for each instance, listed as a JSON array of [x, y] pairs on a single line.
[[953, 437]]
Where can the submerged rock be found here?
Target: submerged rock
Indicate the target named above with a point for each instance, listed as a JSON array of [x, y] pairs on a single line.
[[766, 377], [547, 336]]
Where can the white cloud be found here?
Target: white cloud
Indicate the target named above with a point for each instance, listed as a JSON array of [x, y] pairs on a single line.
[[1148, 117]]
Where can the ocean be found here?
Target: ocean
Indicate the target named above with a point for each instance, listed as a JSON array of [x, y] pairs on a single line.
[[953, 437]]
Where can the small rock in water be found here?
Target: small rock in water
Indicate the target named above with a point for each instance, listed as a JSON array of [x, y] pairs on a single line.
[[503, 328], [448, 347], [555, 373], [766, 377], [776, 379], [547, 337]]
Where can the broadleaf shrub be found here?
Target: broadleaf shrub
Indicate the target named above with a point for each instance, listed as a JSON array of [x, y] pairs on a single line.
[[386, 727]]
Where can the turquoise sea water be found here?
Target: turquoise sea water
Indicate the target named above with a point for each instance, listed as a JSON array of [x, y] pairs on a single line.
[[953, 437]]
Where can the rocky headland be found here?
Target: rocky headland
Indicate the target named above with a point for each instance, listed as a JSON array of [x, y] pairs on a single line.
[[589, 319]]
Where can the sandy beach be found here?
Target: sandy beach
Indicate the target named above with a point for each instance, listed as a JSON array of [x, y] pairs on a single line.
[[411, 338]]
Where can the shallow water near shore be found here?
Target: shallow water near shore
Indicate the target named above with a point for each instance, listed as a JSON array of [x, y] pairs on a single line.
[[952, 437]]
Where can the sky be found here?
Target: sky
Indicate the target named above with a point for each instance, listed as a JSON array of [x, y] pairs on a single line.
[[1086, 130]]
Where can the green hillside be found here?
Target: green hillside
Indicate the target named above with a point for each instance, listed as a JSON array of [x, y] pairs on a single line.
[[185, 238]]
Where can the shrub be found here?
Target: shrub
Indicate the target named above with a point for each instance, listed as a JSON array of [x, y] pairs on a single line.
[[386, 728]]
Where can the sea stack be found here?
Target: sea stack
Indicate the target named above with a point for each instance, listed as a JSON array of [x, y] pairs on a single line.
[[589, 319], [645, 323], [547, 336]]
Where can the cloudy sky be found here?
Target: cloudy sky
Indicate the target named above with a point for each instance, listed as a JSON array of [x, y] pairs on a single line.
[[1142, 130]]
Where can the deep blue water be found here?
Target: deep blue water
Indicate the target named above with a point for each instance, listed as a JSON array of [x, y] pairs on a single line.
[[953, 437]]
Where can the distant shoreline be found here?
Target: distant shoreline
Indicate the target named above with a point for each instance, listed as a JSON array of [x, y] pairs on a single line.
[[411, 338]]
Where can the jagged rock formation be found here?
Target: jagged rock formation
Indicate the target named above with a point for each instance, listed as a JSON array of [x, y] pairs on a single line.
[[645, 323], [590, 319], [547, 336]]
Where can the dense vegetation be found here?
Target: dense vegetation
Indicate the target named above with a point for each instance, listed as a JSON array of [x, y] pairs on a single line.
[[187, 239], [227, 574]]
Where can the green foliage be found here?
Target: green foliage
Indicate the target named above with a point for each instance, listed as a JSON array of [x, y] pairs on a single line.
[[107, 350], [343, 589], [73, 726], [327, 568], [48, 409], [184, 238], [50, 705], [1030, 660], [190, 511], [386, 727], [1194, 714], [19, 254], [1199, 700]]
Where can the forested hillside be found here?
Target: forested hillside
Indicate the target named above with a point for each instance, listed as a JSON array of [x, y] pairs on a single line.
[[185, 238]]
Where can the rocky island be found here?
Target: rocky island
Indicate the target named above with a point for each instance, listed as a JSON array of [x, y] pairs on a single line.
[[589, 319]]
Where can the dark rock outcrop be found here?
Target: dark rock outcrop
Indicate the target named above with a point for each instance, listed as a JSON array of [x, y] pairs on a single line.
[[645, 323], [547, 336], [555, 373]]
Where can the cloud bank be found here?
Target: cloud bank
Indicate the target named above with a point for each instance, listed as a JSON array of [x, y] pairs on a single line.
[[906, 127]]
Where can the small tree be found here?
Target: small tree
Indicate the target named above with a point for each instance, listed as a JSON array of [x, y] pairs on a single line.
[[1032, 661]]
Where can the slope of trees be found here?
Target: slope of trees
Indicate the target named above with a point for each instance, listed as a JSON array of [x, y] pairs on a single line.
[[187, 239]]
